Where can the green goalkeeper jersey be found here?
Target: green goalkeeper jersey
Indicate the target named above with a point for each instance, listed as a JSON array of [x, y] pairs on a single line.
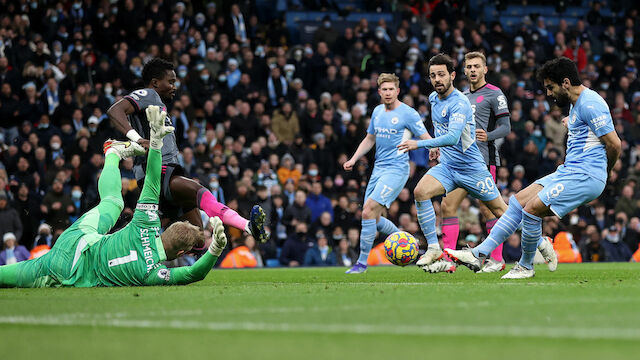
[[85, 256]]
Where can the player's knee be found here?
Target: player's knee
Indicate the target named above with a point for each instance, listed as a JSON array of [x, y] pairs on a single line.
[[421, 193], [369, 212]]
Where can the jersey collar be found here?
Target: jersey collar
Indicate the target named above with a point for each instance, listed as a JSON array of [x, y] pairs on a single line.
[[160, 248], [472, 91]]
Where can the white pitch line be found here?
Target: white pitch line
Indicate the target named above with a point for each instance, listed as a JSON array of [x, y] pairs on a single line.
[[336, 328]]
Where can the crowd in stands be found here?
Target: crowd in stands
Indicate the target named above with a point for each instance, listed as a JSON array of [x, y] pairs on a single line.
[[263, 120]]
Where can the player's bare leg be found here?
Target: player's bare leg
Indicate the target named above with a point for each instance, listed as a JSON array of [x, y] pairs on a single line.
[[190, 194]]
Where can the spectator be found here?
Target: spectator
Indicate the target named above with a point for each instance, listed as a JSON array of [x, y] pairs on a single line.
[[12, 252], [591, 248], [320, 254], [240, 257], [615, 248], [345, 255], [285, 124], [295, 247], [57, 206], [297, 212], [318, 203], [9, 218], [44, 237]]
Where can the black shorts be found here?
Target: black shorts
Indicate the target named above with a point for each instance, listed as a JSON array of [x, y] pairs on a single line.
[[168, 207]]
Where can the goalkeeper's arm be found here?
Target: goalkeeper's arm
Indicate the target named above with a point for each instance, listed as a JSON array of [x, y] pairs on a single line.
[[198, 271]]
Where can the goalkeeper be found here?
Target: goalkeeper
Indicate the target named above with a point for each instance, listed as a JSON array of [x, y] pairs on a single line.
[[84, 255]]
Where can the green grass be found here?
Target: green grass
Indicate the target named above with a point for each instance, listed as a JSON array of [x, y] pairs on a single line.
[[587, 311]]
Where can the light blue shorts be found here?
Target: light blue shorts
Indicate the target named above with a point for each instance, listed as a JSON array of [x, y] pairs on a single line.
[[478, 182], [564, 191], [385, 186]]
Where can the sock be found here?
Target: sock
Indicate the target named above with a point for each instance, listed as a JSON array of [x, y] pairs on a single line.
[[450, 232], [531, 234], [367, 236], [503, 228], [386, 227], [496, 254], [208, 203], [110, 183], [427, 220]]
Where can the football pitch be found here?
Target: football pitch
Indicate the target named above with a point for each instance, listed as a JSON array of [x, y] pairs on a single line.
[[585, 311]]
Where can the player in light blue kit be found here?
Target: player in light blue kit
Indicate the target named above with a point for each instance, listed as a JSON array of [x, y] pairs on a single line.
[[461, 163], [391, 123], [593, 147]]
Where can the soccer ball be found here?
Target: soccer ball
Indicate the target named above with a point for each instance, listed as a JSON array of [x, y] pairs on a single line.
[[401, 248]]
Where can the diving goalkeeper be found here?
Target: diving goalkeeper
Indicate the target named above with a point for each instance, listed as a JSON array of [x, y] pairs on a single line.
[[85, 256]]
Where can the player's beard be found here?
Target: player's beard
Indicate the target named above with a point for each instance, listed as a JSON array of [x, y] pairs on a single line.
[[562, 99], [445, 88]]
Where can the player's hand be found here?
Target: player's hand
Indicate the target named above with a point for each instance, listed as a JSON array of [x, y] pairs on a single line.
[[408, 145], [434, 154], [481, 135], [565, 121], [219, 237], [156, 124], [349, 164], [144, 143]]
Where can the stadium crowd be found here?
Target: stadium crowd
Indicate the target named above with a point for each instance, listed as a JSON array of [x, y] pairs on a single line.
[[263, 120]]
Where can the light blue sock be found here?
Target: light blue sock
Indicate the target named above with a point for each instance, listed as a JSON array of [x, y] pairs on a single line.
[[367, 236], [386, 227], [531, 234], [427, 220], [506, 225]]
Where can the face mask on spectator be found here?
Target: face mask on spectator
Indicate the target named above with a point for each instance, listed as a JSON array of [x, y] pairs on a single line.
[[517, 54], [497, 48], [628, 39], [199, 67], [214, 185], [338, 182], [54, 19], [177, 84], [222, 78], [534, 37], [327, 24], [76, 194], [100, 15], [182, 74], [34, 5], [108, 90], [604, 86], [43, 125], [79, 48], [205, 77], [114, 11], [437, 46], [537, 133], [55, 145], [613, 238], [77, 5], [313, 172], [301, 235]]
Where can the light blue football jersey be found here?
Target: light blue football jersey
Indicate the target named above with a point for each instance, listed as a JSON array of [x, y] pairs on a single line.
[[391, 128], [453, 114], [589, 119]]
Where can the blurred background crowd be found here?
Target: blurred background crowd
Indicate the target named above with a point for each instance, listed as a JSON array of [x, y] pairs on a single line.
[[274, 96]]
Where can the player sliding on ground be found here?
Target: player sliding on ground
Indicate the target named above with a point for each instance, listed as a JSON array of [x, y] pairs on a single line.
[[491, 113], [461, 163], [391, 122], [180, 197], [593, 147], [84, 256]]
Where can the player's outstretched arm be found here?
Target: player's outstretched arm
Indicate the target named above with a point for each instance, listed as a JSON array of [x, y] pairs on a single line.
[[151, 188], [198, 271], [117, 114], [613, 147], [364, 147]]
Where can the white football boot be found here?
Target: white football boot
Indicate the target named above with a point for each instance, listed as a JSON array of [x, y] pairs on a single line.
[[492, 265], [465, 257], [124, 149], [430, 256], [549, 254], [519, 272], [440, 266]]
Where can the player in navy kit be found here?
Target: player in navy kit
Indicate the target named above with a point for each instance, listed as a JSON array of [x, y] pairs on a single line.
[[391, 122], [593, 147], [180, 197]]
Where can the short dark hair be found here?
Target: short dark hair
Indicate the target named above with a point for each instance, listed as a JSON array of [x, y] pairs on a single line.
[[441, 59], [155, 68], [558, 69]]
